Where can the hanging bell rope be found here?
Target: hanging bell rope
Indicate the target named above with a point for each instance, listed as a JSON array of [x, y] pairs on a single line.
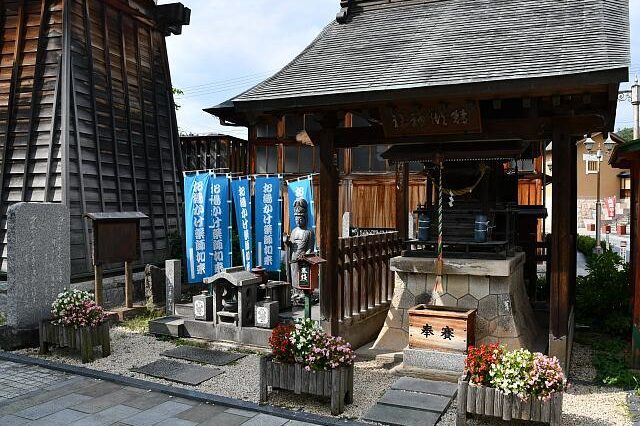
[[439, 260], [458, 192]]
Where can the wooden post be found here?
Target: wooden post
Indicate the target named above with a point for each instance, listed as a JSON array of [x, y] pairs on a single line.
[[329, 225], [635, 261], [562, 245], [128, 284], [402, 199], [97, 290]]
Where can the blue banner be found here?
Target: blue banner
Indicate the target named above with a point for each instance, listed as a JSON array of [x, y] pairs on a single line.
[[268, 222], [242, 203], [302, 188], [198, 241], [220, 222]]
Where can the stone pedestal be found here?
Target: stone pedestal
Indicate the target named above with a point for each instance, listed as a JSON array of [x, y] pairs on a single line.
[[494, 287]]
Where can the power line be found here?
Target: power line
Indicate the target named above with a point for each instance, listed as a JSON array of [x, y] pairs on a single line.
[[196, 87]]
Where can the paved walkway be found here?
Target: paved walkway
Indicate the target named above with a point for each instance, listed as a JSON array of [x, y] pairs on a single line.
[[32, 395]]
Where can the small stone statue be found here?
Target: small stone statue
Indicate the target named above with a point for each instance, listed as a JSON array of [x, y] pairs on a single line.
[[301, 241]]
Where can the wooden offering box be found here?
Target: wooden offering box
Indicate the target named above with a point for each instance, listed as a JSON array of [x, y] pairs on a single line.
[[441, 328]]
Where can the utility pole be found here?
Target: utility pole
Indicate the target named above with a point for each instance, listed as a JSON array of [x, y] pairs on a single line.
[[635, 101]]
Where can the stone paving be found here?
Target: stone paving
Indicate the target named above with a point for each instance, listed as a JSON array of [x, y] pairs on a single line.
[[34, 395]]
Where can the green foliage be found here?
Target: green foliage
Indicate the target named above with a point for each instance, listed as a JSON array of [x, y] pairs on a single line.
[[542, 288], [586, 245], [176, 91], [609, 360], [140, 323], [602, 296], [626, 134]]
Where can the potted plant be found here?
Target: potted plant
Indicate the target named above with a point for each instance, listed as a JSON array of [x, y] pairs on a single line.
[[78, 323], [306, 360], [510, 385]]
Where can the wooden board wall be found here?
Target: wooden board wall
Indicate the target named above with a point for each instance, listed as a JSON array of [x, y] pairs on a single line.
[[114, 144]]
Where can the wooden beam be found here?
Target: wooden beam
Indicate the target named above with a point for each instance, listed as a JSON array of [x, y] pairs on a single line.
[[152, 57], [503, 129], [13, 90], [86, 20], [635, 261], [563, 250], [109, 78], [402, 199], [34, 85], [329, 188], [52, 132]]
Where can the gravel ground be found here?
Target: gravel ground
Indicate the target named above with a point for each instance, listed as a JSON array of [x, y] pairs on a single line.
[[240, 379], [583, 404]]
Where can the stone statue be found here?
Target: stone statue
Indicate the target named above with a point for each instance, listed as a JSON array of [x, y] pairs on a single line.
[[301, 241]]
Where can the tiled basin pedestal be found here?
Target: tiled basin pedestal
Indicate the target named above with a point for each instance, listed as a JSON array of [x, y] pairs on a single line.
[[494, 287]]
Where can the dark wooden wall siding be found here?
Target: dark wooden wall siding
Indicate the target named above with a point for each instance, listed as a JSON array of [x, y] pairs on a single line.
[[30, 162], [122, 149]]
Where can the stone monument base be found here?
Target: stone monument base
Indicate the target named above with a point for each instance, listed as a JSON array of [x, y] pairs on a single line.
[[12, 338], [494, 287], [434, 360]]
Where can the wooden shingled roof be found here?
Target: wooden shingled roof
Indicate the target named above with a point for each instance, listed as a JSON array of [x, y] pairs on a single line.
[[389, 45]]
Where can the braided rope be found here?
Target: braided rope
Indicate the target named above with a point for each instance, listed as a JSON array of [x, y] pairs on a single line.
[[439, 260]]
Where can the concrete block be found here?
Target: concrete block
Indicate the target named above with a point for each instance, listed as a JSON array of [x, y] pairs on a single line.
[[468, 302], [167, 326], [488, 307], [499, 285], [173, 275], [436, 360], [457, 285], [478, 286], [417, 284], [448, 300], [38, 260]]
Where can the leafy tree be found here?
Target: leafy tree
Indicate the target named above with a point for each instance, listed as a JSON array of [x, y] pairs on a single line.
[[176, 91], [626, 134]]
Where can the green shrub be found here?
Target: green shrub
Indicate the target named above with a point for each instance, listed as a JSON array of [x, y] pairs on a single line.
[[610, 363], [586, 245], [602, 296]]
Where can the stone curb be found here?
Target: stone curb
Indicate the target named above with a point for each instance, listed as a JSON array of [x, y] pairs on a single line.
[[179, 392]]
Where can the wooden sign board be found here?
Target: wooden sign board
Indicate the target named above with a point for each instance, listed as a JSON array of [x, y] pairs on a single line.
[[433, 118], [441, 328]]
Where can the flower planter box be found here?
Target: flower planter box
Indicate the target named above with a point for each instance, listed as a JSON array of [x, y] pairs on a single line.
[[441, 328], [83, 339], [486, 401], [336, 384]]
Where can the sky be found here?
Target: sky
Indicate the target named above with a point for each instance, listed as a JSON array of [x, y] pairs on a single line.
[[231, 45]]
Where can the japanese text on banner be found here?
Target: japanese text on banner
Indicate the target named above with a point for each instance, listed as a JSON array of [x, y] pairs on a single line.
[[198, 241], [220, 223], [242, 201], [268, 222]]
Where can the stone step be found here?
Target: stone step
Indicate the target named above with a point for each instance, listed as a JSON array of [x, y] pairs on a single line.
[[416, 400], [426, 386], [400, 416], [167, 326]]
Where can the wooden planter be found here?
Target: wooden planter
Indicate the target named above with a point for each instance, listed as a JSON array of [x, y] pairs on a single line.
[[441, 328], [81, 338], [477, 399], [336, 384]]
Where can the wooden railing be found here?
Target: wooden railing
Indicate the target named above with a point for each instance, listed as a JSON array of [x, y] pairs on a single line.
[[365, 281]]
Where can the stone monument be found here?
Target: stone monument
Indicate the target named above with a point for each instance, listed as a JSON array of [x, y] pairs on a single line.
[[38, 267]]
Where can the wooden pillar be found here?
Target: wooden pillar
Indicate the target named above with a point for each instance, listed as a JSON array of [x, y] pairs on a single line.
[[329, 226], [635, 261], [128, 284], [563, 240], [97, 290], [402, 199]]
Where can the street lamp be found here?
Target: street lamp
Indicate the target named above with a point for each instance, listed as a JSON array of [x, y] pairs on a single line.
[[608, 146]]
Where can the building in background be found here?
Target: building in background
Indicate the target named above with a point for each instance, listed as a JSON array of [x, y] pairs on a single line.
[[213, 151], [87, 117]]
